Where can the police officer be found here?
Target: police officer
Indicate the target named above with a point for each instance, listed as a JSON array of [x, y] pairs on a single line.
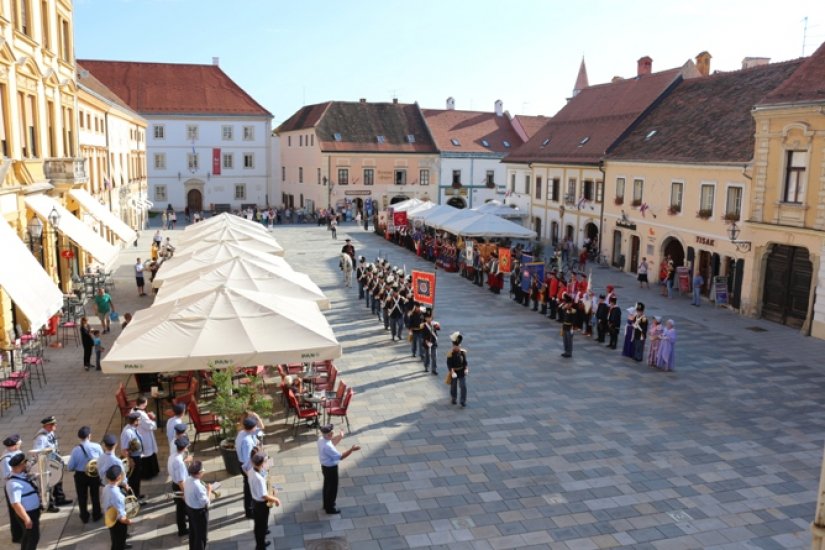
[[113, 498], [86, 485], [25, 501], [197, 496], [12, 444], [245, 441], [178, 474], [261, 500], [46, 438]]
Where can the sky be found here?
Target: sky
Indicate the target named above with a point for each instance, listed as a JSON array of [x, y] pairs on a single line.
[[287, 54]]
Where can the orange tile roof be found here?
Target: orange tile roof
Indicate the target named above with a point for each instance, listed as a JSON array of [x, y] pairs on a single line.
[[88, 80], [532, 123], [304, 118], [471, 129], [586, 127], [807, 84], [173, 88]]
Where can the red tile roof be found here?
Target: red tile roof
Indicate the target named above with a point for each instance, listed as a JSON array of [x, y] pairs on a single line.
[[705, 119], [806, 85], [584, 129], [172, 88], [531, 123], [471, 129], [305, 118], [88, 81]]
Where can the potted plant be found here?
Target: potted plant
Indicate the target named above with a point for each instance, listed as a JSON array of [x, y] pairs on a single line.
[[704, 214], [229, 405], [618, 201], [674, 209], [637, 202], [732, 217]]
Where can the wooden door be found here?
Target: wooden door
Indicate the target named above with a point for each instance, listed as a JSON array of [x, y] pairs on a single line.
[[787, 285], [635, 244], [194, 200]]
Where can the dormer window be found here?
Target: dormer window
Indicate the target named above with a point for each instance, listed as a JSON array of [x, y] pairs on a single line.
[[336, 136], [650, 135], [379, 139], [410, 138], [545, 142], [506, 143], [455, 142], [584, 140], [485, 143]]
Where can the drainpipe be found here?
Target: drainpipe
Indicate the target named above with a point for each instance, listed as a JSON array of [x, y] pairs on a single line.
[[601, 210]]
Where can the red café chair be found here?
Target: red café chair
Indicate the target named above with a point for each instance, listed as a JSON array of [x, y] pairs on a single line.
[[337, 397], [325, 383], [341, 411], [301, 413], [12, 390], [124, 404], [204, 423], [294, 368]]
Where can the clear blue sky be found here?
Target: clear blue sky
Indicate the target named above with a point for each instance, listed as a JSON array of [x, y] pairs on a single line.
[[524, 52]]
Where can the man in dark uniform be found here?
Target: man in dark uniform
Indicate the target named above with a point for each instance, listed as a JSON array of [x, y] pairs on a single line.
[[88, 487], [396, 313], [25, 501], [360, 276], [349, 249], [614, 321], [601, 319], [416, 327], [568, 312], [12, 444]]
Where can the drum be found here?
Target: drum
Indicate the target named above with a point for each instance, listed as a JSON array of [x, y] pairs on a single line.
[[54, 469]]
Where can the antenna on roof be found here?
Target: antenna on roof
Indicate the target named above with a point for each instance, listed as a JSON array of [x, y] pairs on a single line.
[[804, 33]]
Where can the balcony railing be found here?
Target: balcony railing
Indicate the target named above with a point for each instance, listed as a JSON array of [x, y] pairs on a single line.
[[70, 170]]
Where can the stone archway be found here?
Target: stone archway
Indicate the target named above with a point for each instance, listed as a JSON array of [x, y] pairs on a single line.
[[673, 247], [457, 202]]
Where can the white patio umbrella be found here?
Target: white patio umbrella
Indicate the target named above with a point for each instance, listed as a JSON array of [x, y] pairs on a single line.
[[222, 327], [218, 253], [246, 274], [488, 226], [222, 220], [453, 214], [419, 214], [406, 205], [262, 242], [411, 212]]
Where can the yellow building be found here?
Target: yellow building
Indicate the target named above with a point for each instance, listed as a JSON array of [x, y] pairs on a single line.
[[356, 156], [679, 180], [787, 221], [40, 164], [556, 175]]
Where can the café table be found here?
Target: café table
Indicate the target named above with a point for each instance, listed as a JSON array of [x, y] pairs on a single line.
[[159, 396]]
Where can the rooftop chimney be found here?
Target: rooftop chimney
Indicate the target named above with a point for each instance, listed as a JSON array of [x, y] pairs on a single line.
[[750, 62], [499, 108], [395, 100], [363, 100], [703, 63], [450, 104], [644, 66], [216, 61]]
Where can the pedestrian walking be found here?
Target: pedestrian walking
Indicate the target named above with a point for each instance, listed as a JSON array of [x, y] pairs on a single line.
[[330, 456], [333, 226], [459, 369], [88, 342], [698, 283], [642, 274]]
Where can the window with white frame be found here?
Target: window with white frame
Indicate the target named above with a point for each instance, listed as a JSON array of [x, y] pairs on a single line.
[[160, 193], [707, 192], [677, 189], [249, 160], [192, 132], [512, 183], [248, 133], [490, 178], [343, 176], [538, 187], [192, 161], [228, 161], [570, 197], [318, 175], [527, 184], [160, 161], [424, 177], [733, 204], [369, 176], [283, 173], [555, 189], [158, 130], [240, 192], [795, 177], [227, 133], [599, 191], [587, 190], [638, 191], [620, 190]]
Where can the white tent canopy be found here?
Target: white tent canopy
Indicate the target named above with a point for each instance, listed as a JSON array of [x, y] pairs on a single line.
[[424, 215], [222, 327], [498, 209], [246, 274], [224, 219], [217, 253], [25, 281], [452, 215], [406, 205], [420, 208], [488, 226], [262, 242]]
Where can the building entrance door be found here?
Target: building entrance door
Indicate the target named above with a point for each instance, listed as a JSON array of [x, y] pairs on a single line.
[[194, 200], [635, 244], [787, 285]]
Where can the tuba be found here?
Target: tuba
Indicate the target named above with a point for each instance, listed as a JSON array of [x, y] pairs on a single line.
[[91, 468]]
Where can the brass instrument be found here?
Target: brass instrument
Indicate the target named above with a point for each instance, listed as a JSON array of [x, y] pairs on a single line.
[[91, 468], [270, 485], [132, 505]]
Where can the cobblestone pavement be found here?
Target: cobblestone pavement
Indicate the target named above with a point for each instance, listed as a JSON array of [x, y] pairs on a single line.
[[594, 452]]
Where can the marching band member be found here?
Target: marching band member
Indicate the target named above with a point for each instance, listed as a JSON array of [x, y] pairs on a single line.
[[113, 498], [245, 441], [178, 474], [85, 485], [24, 499], [261, 500], [108, 459], [146, 429], [47, 439], [177, 420], [131, 446], [12, 444], [197, 496]]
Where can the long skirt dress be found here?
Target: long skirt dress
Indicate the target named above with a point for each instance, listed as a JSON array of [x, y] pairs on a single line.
[[627, 350], [667, 350], [653, 353]]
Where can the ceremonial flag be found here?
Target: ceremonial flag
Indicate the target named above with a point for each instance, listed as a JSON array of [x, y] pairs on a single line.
[[399, 219], [423, 285], [526, 258], [528, 271], [468, 251], [505, 262]]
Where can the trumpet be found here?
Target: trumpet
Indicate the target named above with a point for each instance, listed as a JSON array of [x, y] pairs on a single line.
[[179, 494]]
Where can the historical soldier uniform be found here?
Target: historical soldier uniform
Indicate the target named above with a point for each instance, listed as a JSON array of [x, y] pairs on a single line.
[[614, 321], [552, 291], [601, 319], [86, 486], [568, 313], [47, 439], [396, 314], [430, 338], [457, 363], [360, 273]]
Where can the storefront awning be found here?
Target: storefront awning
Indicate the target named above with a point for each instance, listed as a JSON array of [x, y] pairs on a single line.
[[25, 281], [80, 233], [102, 214]]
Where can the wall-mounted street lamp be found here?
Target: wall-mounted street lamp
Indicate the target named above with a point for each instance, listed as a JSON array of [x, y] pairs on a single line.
[[733, 235]]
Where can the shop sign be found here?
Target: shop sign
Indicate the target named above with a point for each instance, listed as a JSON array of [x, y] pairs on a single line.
[[626, 224], [705, 241], [362, 192]]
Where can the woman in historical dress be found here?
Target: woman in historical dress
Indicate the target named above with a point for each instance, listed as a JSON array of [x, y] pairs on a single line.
[[667, 347], [627, 350], [655, 338], [639, 332]]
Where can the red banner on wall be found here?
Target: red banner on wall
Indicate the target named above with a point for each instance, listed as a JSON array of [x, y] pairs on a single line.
[[216, 162]]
